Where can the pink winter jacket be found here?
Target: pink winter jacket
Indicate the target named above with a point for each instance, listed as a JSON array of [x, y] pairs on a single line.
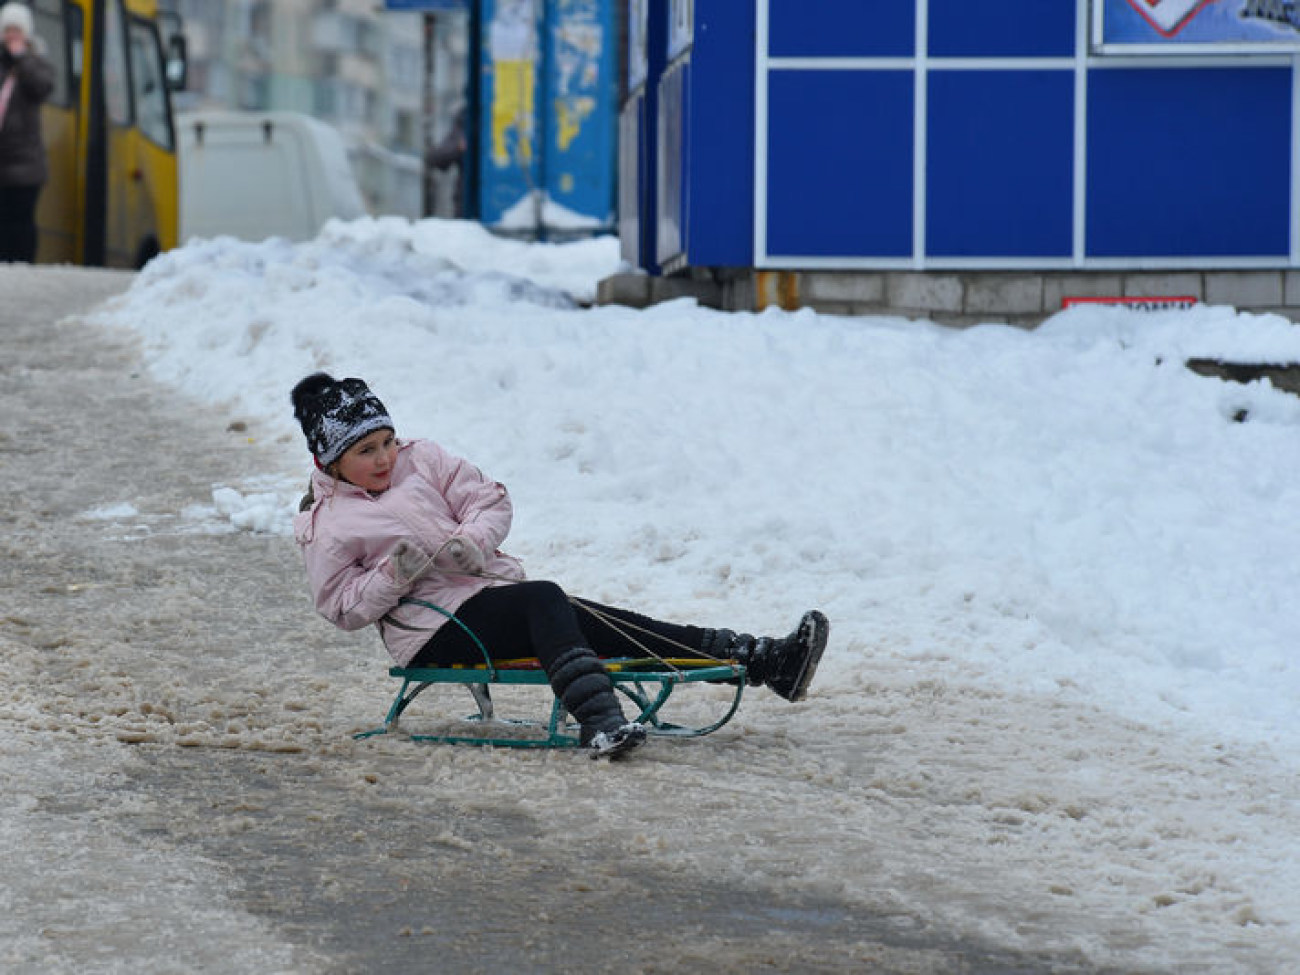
[[347, 533]]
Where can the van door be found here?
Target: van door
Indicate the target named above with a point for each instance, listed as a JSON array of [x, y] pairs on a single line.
[[156, 209], [121, 192], [141, 163]]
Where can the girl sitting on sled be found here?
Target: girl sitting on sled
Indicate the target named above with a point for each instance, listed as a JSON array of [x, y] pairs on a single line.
[[387, 519]]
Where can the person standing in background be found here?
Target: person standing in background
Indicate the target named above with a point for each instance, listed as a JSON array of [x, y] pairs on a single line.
[[26, 80], [450, 154]]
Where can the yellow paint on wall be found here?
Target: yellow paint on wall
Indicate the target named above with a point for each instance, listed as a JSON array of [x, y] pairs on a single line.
[[512, 108], [569, 116]]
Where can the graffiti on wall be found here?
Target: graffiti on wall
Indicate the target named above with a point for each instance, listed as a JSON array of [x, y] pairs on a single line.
[[549, 92], [512, 47], [579, 40]]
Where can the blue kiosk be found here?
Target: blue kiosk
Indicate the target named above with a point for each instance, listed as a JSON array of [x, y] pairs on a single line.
[[945, 135]]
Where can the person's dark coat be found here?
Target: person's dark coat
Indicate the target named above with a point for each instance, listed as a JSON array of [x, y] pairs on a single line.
[[22, 148]]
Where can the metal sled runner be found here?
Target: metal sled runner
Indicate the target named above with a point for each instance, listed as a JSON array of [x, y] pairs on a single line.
[[647, 683]]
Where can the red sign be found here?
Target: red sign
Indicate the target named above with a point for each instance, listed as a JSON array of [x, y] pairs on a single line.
[[1168, 17], [1143, 303]]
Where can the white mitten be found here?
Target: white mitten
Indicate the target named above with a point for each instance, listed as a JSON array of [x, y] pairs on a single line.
[[409, 562], [460, 555]]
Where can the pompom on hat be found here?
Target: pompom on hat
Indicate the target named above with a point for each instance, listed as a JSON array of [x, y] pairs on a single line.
[[17, 15], [336, 413]]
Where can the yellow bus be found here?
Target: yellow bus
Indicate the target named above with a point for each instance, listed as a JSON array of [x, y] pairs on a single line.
[[112, 198]]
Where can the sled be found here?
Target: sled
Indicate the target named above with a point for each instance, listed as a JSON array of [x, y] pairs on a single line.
[[647, 683]]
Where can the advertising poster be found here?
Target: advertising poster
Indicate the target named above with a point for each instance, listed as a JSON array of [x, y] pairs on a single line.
[[1195, 26], [548, 109]]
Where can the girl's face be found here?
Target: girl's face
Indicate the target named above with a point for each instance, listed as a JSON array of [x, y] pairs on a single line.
[[368, 463]]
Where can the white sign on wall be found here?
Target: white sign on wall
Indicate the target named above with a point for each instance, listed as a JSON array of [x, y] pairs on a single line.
[[1195, 26]]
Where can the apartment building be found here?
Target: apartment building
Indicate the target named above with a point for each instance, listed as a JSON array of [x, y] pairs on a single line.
[[348, 63]]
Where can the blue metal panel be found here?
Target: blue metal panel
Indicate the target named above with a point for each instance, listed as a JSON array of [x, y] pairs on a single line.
[[629, 178], [425, 5], [671, 164], [840, 163], [581, 88], [1002, 28], [1000, 163], [720, 143], [1189, 162], [656, 27], [842, 28]]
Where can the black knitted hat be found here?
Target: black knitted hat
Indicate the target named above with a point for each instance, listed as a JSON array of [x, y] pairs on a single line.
[[336, 413]]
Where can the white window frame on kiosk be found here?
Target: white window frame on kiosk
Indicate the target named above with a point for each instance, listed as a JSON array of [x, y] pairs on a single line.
[[681, 27]]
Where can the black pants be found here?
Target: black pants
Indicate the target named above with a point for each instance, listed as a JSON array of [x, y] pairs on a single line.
[[18, 223], [536, 619]]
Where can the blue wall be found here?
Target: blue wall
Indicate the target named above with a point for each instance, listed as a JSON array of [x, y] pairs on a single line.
[[1001, 28], [1171, 163], [705, 145], [1189, 161], [1000, 163], [831, 167], [841, 28]]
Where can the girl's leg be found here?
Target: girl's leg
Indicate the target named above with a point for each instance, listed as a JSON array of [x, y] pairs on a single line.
[[526, 619], [786, 665], [535, 619], [614, 632]]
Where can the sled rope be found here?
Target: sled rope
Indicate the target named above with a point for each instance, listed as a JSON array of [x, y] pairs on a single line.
[[622, 627]]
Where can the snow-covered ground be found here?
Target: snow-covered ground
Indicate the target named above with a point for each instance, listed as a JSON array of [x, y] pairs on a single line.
[[1014, 528]]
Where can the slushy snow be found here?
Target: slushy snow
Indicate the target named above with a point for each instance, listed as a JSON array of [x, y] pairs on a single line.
[[1063, 515]]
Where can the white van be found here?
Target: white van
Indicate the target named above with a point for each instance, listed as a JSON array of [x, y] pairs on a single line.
[[254, 175]]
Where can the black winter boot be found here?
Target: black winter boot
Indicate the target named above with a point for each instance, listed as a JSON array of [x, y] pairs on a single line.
[[583, 686], [786, 665]]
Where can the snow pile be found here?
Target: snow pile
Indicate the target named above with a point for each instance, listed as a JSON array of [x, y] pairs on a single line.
[[1069, 515], [1041, 510]]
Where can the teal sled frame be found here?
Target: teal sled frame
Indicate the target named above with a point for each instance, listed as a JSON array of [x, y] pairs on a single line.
[[648, 684]]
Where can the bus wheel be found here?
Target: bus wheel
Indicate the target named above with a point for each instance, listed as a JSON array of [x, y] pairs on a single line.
[[147, 252]]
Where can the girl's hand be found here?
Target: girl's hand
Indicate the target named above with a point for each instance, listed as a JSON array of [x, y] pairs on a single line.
[[461, 556], [409, 562]]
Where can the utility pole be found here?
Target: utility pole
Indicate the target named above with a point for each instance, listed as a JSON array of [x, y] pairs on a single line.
[[427, 114]]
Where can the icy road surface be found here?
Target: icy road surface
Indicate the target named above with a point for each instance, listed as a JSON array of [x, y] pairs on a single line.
[[179, 791]]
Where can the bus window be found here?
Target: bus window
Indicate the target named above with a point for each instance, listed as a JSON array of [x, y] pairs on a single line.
[[50, 28], [117, 94], [77, 50], [148, 81]]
